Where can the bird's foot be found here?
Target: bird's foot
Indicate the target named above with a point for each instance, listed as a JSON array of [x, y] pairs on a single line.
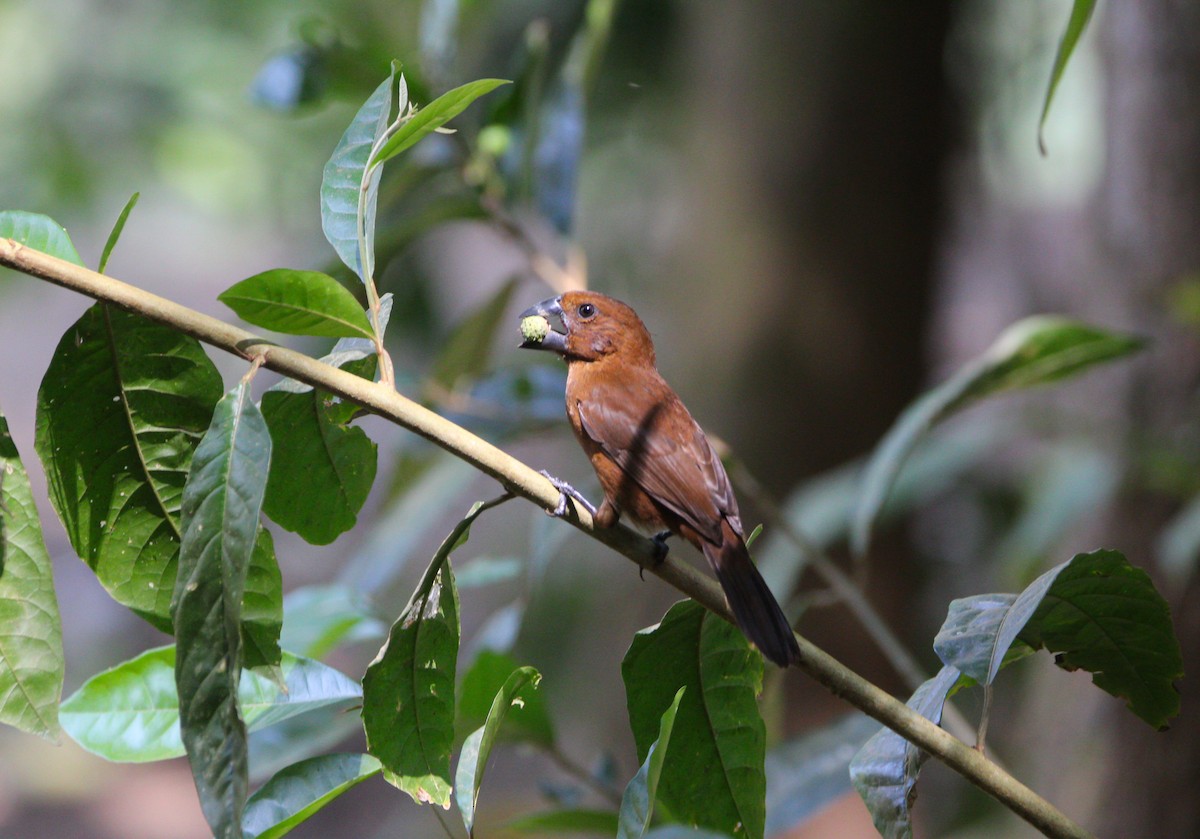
[[565, 491], [661, 548]]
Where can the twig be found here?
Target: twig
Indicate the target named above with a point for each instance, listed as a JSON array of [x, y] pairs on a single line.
[[522, 480]]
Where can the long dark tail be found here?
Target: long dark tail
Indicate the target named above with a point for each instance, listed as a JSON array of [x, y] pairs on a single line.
[[755, 608]]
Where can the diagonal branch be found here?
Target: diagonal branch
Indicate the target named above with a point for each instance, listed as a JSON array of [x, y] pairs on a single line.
[[522, 480]]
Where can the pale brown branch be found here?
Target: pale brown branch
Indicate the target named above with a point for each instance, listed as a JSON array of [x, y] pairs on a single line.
[[522, 480]]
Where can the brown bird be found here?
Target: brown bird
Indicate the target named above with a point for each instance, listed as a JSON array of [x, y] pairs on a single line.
[[654, 463]]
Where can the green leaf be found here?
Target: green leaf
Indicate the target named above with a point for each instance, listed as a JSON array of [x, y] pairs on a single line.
[[39, 232], [221, 504], [408, 690], [130, 713], [317, 619], [115, 235], [298, 303], [343, 177], [31, 654], [713, 775], [885, 770], [1103, 615], [979, 630], [120, 411], [806, 774], [1081, 14], [433, 116], [478, 746], [527, 722], [558, 822], [322, 471], [262, 605], [354, 355], [1097, 611], [637, 804], [466, 350], [1034, 351], [300, 790]]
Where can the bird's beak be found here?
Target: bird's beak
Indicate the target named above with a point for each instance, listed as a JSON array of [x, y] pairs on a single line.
[[555, 340]]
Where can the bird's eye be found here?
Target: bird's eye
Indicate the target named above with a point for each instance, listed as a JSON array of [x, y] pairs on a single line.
[[586, 310]]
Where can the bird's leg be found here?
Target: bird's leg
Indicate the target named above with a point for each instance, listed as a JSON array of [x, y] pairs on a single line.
[[660, 550], [565, 491]]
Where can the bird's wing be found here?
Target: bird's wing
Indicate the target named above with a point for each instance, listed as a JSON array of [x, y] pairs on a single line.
[[662, 449]]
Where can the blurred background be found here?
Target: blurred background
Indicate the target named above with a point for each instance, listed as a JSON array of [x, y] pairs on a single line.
[[819, 209]]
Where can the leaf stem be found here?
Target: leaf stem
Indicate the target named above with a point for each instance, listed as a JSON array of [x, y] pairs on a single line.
[[522, 480], [366, 255], [981, 735]]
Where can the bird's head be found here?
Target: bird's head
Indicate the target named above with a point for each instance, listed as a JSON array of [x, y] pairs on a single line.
[[593, 326]]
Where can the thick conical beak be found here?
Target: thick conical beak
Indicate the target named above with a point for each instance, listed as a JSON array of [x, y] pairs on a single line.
[[550, 311]]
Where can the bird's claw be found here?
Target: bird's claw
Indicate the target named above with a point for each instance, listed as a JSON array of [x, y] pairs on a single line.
[[661, 548], [565, 491]]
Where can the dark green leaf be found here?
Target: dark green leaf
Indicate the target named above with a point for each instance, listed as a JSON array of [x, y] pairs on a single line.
[[120, 411], [1034, 351], [1102, 615], [322, 471], [262, 606], [558, 822], [39, 232], [222, 500], [478, 746], [115, 235], [298, 303], [433, 116], [713, 775], [466, 350], [408, 691], [300, 790], [343, 178], [885, 770], [637, 804], [31, 654], [808, 773], [317, 619], [130, 713], [1081, 14], [528, 722]]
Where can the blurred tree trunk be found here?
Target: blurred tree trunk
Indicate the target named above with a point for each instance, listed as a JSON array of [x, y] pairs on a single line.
[[833, 220], [822, 139]]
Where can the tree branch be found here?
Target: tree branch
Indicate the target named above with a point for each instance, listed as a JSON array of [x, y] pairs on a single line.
[[522, 480]]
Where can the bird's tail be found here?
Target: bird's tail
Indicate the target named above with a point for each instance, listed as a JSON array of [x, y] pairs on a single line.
[[755, 608]]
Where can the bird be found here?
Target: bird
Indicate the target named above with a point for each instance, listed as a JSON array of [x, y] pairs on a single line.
[[655, 465]]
